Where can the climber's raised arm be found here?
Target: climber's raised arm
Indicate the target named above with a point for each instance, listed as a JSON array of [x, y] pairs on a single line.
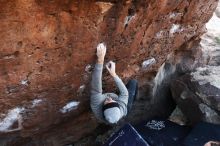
[[123, 95]]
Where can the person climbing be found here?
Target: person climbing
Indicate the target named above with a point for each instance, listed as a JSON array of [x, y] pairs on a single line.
[[109, 107]]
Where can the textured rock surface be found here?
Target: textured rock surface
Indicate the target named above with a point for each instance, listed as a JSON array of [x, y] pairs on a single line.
[[47, 51], [198, 94], [202, 99], [176, 65], [200, 90]]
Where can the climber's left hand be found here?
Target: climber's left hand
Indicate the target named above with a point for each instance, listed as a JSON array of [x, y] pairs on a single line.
[[101, 51]]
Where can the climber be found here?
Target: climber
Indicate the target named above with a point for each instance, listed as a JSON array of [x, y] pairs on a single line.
[[109, 107]]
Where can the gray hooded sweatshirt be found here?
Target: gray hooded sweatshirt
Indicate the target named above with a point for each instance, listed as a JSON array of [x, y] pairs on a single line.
[[97, 97]]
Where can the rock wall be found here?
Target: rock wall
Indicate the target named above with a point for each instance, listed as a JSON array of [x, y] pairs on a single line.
[[47, 52], [197, 92]]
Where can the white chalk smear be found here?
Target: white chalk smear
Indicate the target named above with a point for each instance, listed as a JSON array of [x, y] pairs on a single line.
[[70, 106], [148, 63], [175, 28], [172, 15], [12, 116], [24, 82], [88, 68], [101, 46], [36, 102], [81, 89], [160, 34], [128, 19]]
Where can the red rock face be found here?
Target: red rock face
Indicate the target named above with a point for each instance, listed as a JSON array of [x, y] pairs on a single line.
[[47, 51]]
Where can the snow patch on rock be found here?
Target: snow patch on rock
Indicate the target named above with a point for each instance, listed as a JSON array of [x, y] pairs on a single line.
[[70, 106], [12, 116], [176, 28], [148, 63]]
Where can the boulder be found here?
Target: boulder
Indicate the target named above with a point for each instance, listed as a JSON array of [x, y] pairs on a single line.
[[47, 52], [198, 94], [177, 64]]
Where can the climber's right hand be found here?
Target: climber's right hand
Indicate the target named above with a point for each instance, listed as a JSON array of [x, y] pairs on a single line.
[[101, 51], [111, 68]]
